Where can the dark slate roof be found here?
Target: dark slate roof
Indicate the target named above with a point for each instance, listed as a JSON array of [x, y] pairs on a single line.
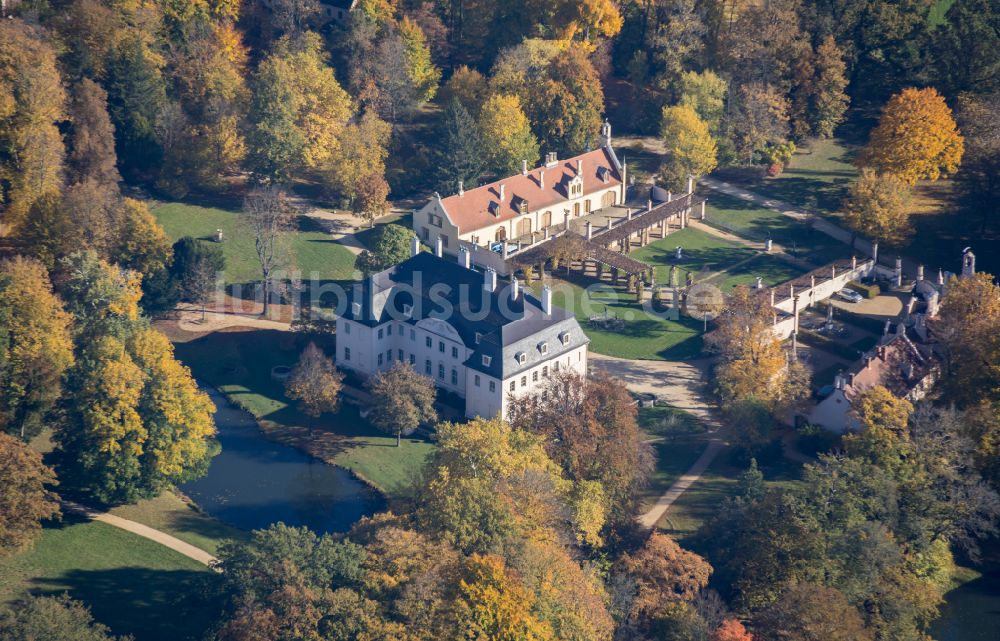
[[440, 288]]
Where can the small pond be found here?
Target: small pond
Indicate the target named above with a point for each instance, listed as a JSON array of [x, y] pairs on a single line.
[[254, 482]]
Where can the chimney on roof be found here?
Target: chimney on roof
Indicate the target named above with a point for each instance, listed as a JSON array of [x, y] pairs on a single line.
[[541, 179], [515, 288], [524, 167], [439, 247], [606, 133], [414, 246], [490, 279], [920, 272], [579, 166], [461, 188], [546, 300], [850, 379], [464, 257], [503, 192], [838, 381], [590, 230], [551, 159]]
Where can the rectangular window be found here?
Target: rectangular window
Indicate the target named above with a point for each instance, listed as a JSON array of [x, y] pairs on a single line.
[[454, 376], [388, 356], [381, 332], [454, 352], [524, 381], [441, 371], [487, 360], [545, 372], [534, 376], [413, 359], [493, 386], [399, 353], [427, 367], [380, 360], [430, 342], [476, 380], [347, 353], [555, 366], [513, 385], [425, 234], [413, 335], [347, 328], [389, 330], [444, 240], [441, 346]]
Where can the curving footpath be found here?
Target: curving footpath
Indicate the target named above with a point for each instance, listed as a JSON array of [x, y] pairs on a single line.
[[145, 532]]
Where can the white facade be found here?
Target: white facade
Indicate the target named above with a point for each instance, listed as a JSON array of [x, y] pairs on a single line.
[[478, 367]]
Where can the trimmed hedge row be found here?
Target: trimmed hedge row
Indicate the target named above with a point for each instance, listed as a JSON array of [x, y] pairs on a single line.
[[867, 290]]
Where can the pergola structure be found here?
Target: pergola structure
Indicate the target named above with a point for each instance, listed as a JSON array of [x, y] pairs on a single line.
[[610, 243]]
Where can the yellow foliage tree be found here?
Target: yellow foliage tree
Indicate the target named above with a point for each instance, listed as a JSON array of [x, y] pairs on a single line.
[[968, 331], [144, 245], [36, 347], [506, 135], [586, 18], [883, 418], [32, 105], [877, 208], [424, 75], [494, 605], [753, 365], [916, 137], [691, 149]]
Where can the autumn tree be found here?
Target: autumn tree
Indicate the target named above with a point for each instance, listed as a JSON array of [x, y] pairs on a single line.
[[760, 118], [358, 173], [100, 296], [35, 347], [53, 618], [664, 574], [877, 208], [459, 152], [968, 330], [704, 92], [25, 500], [468, 86], [315, 383], [752, 363], [298, 111], [424, 75], [691, 150], [567, 108], [143, 245], [586, 20], [92, 153], [731, 630], [916, 138], [391, 247], [32, 106], [492, 604], [401, 400], [590, 429], [811, 613], [268, 218], [819, 101], [506, 135]]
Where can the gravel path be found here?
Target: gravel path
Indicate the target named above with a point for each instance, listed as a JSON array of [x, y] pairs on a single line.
[[145, 532]]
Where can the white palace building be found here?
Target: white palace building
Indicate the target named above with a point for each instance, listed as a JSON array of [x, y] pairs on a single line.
[[483, 342]]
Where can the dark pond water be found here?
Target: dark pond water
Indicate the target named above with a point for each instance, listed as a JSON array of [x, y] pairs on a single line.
[[971, 612], [255, 482]]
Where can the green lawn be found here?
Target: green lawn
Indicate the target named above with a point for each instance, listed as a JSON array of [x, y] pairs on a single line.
[[754, 222], [939, 9], [771, 269], [679, 439], [817, 178], [132, 585], [238, 364], [170, 513], [313, 252], [702, 254], [709, 493], [645, 335]]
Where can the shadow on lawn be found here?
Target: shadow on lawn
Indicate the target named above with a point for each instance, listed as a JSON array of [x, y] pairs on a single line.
[[151, 605], [708, 258]]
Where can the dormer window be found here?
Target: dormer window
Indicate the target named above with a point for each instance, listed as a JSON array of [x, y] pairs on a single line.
[[522, 205], [564, 338], [479, 338], [407, 310], [487, 360], [543, 348], [356, 309], [521, 358], [604, 174], [495, 208]]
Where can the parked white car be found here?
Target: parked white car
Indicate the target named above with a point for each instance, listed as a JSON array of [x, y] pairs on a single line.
[[850, 295]]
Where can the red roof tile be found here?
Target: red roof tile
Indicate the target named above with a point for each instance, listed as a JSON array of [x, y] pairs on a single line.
[[471, 211]]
